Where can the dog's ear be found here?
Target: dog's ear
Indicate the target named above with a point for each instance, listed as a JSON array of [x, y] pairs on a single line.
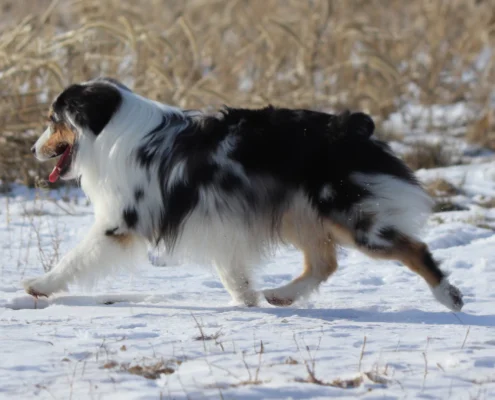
[[90, 106]]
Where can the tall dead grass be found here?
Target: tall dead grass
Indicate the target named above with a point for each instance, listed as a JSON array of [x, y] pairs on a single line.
[[373, 55]]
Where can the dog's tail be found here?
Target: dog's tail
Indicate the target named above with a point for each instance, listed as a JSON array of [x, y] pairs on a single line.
[[355, 124]]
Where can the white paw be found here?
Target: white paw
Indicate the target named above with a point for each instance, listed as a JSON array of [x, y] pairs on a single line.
[[248, 298], [43, 286], [286, 295], [276, 299], [160, 259], [448, 295]]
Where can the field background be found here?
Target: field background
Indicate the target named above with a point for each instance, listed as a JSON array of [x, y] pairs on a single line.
[[424, 69], [372, 55]]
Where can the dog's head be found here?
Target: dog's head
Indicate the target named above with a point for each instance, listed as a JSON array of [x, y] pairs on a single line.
[[80, 112]]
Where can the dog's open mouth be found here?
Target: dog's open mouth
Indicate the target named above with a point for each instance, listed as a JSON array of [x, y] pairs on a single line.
[[63, 163]]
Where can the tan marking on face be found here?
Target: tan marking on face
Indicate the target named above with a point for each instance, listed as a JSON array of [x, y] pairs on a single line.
[[124, 239], [61, 134]]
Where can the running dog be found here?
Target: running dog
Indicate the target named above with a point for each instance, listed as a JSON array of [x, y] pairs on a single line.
[[229, 187]]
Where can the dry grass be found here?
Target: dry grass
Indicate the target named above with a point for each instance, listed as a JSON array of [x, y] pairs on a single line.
[[371, 55], [339, 383], [148, 370], [428, 155], [482, 131], [447, 205], [441, 187], [486, 202], [291, 361]]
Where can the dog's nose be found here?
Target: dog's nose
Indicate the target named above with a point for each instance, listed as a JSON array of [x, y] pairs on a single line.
[[33, 149]]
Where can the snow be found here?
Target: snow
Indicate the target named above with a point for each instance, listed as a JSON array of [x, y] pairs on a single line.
[[373, 320], [420, 117]]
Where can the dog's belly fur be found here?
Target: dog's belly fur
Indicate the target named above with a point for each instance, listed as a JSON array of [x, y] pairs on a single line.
[[228, 188]]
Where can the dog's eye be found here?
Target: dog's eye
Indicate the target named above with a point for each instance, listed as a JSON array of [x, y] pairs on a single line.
[[51, 118]]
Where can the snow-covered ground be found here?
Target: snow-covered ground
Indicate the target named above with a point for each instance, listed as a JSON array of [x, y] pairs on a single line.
[[374, 330]]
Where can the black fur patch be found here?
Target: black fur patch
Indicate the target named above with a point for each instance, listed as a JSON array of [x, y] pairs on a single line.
[[147, 153], [113, 81], [361, 229], [138, 194], [360, 124], [91, 105], [279, 151], [364, 223], [130, 217], [180, 203], [390, 234], [230, 182], [111, 232], [432, 265], [394, 236]]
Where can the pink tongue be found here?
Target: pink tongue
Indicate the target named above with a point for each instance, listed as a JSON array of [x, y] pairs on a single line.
[[56, 171]]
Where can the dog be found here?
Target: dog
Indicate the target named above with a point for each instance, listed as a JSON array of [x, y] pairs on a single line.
[[229, 187]]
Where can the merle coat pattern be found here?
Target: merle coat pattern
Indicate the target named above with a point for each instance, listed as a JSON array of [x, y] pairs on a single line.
[[230, 187]]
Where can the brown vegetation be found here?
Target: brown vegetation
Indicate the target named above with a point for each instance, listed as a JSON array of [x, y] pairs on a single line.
[[372, 55], [151, 370], [441, 187], [428, 155], [482, 130]]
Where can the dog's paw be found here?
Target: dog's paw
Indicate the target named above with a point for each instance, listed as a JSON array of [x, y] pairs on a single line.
[[247, 299], [157, 260], [42, 287], [160, 258], [285, 296], [275, 298], [279, 302], [448, 295]]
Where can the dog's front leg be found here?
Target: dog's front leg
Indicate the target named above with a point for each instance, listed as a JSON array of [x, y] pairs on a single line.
[[236, 279], [102, 250]]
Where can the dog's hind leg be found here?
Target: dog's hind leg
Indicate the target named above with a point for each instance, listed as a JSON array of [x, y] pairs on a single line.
[[95, 256], [320, 262], [411, 252], [416, 256]]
